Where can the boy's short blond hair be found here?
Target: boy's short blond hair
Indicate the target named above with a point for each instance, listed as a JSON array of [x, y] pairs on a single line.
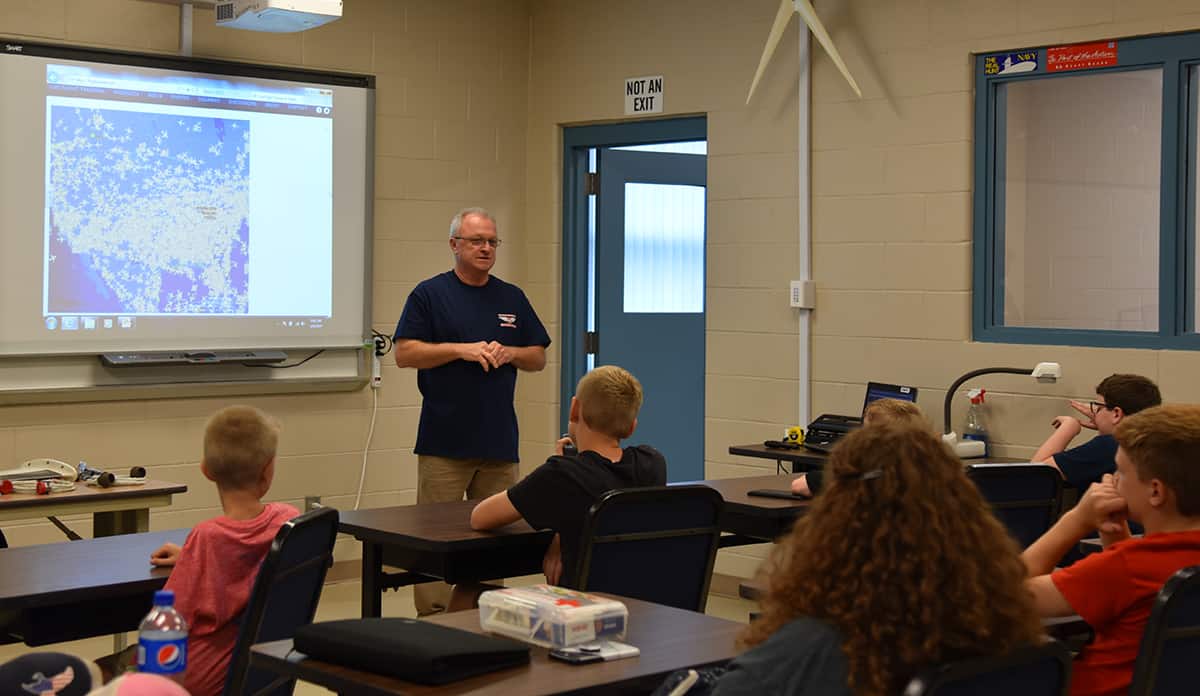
[[609, 400], [238, 442], [1163, 442], [895, 411]]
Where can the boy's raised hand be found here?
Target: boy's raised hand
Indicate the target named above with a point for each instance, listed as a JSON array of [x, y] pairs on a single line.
[[166, 555], [1084, 410], [1067, 424], [1103, 507], [560, 446]]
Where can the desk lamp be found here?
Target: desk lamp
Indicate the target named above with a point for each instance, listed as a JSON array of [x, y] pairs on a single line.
[[1045, 372]]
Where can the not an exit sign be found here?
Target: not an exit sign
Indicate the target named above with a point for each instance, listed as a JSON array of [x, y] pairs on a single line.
[[644, 95]]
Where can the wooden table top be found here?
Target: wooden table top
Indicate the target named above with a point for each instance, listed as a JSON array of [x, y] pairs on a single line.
[[443, 527], [800, 456], [669, 639], [49, 574], [734, 491], [85, 494], [803, 456], [432, 527]]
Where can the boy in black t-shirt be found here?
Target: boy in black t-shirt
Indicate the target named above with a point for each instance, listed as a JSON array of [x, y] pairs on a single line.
[[559, 493]]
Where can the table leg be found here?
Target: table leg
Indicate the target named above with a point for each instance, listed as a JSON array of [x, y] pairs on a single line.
[[372, 587], [120, 522]]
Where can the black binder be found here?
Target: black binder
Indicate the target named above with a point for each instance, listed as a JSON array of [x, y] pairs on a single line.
[[409, 649]]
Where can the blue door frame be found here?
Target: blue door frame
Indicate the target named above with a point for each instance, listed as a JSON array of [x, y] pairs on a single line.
[[576, 143]]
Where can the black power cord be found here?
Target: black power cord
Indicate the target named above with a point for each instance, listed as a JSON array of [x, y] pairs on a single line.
[[383, 343], [298, 363]]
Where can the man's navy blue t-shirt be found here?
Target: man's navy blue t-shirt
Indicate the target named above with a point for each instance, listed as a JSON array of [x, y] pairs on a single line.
[[467, 413]]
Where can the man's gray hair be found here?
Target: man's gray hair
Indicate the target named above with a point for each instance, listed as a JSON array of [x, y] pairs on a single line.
[[457, 220]]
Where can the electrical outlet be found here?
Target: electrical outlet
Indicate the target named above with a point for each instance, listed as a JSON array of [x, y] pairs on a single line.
[[311, 502]]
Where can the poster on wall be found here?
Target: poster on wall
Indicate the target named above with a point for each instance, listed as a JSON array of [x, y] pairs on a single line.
[[1010, 63], [1081, 56]]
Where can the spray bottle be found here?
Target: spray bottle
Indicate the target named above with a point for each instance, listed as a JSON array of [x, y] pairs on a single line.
[[975, 427]]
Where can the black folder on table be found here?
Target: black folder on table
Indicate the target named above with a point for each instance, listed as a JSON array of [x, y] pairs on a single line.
[[409, 649]]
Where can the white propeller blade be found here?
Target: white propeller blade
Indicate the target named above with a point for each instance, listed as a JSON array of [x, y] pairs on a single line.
[[809, 15], [806, 11], [781, 21]]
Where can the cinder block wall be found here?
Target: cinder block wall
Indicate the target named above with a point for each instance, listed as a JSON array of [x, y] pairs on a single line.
[[893, 176], [450, 132], [471, 98]]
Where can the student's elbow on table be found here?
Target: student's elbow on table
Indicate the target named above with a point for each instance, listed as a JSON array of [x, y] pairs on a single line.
[[495, 511]]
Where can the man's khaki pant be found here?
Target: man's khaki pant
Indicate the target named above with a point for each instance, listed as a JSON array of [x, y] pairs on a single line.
[[439, 480]]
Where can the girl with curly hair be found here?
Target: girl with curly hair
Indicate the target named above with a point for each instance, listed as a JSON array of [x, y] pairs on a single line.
[[899, 565]]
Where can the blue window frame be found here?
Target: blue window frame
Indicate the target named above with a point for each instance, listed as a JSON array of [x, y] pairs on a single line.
[[1172, 322]]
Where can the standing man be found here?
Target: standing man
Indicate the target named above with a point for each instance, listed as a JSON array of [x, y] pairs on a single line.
[[467, 333]]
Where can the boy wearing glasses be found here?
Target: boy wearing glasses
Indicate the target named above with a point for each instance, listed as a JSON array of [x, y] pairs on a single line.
[[1157, 484], [467, 332], [1117, 397]]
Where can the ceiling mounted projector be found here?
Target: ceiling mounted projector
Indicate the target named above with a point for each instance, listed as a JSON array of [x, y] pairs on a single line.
[[277, 16]]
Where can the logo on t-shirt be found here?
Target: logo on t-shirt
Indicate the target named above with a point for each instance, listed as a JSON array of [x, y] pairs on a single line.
[[507, 321]]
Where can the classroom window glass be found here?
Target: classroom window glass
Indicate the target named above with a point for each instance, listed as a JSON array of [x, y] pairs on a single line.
[[1081, 197], [664, 248]]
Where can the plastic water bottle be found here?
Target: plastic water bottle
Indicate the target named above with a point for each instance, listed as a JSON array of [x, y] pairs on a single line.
[[975, 427], [163, 638]]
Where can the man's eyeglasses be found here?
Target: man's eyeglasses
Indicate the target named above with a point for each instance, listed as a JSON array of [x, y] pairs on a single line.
[[1097, 406], [477, 242]]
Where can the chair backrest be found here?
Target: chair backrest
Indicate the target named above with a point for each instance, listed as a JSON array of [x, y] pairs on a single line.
[[1026, 498], [1031, 670], [1170, 651], [656, 544], [284, 597]]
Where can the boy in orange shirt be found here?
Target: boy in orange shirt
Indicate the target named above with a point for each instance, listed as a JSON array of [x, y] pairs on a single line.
[[1157, 483]]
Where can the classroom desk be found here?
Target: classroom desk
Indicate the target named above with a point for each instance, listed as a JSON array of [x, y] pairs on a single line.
[[802, 460], [669, 639], [66, 591], [754, 520], [435, 541], [117, 510]]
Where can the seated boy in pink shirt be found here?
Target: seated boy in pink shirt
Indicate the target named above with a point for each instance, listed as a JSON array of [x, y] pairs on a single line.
[[215, 569], [1157, 484]]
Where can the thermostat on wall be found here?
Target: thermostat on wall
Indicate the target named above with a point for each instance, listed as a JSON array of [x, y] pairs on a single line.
[[802, 294]]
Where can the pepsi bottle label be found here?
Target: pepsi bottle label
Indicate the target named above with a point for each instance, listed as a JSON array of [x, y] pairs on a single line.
[[162, 656]]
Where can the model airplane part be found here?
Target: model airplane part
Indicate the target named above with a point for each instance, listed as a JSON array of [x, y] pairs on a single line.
[[807, 13]]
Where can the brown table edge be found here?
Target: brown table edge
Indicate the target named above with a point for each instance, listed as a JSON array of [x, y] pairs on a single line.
[[27, 500]]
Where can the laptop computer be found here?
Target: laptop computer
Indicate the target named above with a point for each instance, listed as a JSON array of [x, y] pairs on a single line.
[[825, 431]]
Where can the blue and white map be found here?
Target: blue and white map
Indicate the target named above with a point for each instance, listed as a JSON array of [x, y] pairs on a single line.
[[148, 213]]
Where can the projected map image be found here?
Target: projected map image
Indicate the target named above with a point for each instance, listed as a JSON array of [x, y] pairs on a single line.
[[148, 213]]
